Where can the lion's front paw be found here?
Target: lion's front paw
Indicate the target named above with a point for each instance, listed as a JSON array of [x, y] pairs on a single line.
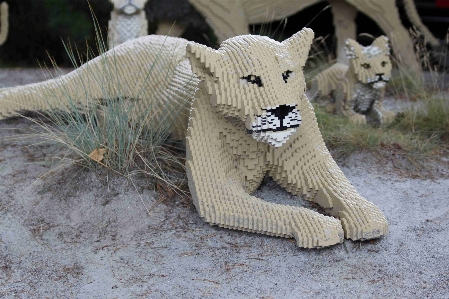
[[362, 220], [312, 230]]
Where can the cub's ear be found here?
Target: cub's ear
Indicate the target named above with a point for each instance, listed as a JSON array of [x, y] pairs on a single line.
[[299, 44], [382, 43], [202, 59], [353, 49]]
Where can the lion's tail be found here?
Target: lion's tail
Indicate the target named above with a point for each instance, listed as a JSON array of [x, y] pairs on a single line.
[[327, 81], [77, 88], [42, 96], [152, 69]]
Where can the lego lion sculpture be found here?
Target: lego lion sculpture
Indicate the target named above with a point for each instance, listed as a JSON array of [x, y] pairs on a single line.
[[360, 87], [250, 117]]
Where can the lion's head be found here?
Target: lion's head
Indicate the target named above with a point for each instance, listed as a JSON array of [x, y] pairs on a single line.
[[371, 65], [257, 80]]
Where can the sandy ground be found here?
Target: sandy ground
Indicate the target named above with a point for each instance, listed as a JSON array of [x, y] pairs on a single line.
[[88, 235]]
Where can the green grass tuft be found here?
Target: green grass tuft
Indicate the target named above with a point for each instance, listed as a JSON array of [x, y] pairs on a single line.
[[345, 137]]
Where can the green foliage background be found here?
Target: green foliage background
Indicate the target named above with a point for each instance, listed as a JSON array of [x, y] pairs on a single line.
[[37, 26]]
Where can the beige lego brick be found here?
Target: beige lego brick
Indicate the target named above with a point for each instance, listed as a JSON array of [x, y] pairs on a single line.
[[128, 21], [250, 117], [359, 87], [4, 22]]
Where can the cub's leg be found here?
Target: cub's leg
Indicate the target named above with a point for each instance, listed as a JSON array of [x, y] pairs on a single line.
[[343, 103], [379, 113], [217, 187], [304, 165]]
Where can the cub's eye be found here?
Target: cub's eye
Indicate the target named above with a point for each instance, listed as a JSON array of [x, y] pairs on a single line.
[[285, 75], [253, 79], [383, 63], [366, 65]]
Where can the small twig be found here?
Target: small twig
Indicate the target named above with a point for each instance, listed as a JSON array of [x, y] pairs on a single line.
[[207, 280], [113, 272]]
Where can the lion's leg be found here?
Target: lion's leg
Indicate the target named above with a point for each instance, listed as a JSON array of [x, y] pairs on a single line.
[[304, 165], [219, 195]]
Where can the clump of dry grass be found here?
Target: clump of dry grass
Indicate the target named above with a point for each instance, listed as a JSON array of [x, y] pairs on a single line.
[[109, 133]]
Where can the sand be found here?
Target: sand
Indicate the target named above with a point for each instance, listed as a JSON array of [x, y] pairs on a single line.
[[87, 234]]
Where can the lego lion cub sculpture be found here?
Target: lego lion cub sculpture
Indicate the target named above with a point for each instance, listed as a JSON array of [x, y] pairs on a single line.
[[359, 87], [250, 117]]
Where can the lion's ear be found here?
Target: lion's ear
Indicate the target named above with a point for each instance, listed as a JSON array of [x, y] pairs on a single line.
[[353, 49], [382, 43], [299, 44], [202, 59]]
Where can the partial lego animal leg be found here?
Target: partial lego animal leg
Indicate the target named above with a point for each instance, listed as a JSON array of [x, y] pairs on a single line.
[[386, 15], [343, 104], [170, 29], [412, 14], [4, 22], [266, 11], [225, 17], [219, 195], [305, 166], [345, 27], [379, 113]]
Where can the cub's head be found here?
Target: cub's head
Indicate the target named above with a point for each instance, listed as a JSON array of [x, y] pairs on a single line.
[[371, 64], [257, 80]]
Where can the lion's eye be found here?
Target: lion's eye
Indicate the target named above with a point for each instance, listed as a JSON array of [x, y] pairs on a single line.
[[253, 79], [285, 75], [366, 65], [383, 63]]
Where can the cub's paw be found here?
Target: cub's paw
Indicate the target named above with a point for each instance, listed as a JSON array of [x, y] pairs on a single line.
[[388, 116], [357, 118], [362, 220], [311, 229]]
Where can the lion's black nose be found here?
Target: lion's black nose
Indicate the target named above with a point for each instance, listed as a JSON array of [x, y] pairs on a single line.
[[281, 111], [286, 115]]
